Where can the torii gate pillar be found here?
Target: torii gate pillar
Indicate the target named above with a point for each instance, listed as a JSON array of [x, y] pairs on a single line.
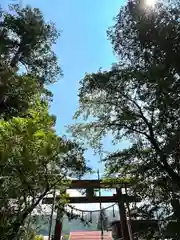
[[58, 226], [122, 212]]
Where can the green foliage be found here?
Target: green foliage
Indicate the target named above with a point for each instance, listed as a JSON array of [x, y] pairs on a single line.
[[33, 159], [27, 61], [117, 180], [65, 237], [27, 40], [138, 100], [16, 92], [38, 238]]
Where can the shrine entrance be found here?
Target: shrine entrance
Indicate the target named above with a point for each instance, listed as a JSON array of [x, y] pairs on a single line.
[[90, 186]]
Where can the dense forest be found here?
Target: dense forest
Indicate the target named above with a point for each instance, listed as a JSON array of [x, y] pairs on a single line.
[[136, 100]]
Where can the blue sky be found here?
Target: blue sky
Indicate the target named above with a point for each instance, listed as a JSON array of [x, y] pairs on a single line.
[[82, 47]]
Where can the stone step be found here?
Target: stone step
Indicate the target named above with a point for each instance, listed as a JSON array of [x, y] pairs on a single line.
[[90, 235]]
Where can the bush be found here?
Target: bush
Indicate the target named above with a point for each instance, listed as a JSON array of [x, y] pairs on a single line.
[[38, 237]]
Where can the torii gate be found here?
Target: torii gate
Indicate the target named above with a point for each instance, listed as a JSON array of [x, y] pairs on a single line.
[[90, 186]]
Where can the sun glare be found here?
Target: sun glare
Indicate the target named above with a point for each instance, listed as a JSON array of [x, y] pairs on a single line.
[[150, 3]]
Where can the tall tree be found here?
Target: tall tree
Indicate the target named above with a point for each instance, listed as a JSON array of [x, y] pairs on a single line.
[[26, 40], [138, 100], [34, 161], [27, 61]]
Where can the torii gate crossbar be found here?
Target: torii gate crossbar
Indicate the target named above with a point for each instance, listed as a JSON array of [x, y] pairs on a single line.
[[90, 185]]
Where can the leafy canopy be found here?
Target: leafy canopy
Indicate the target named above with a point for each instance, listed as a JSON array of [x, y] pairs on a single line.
[[138, 100], [27, 62], [26, 41], [33, 159]]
